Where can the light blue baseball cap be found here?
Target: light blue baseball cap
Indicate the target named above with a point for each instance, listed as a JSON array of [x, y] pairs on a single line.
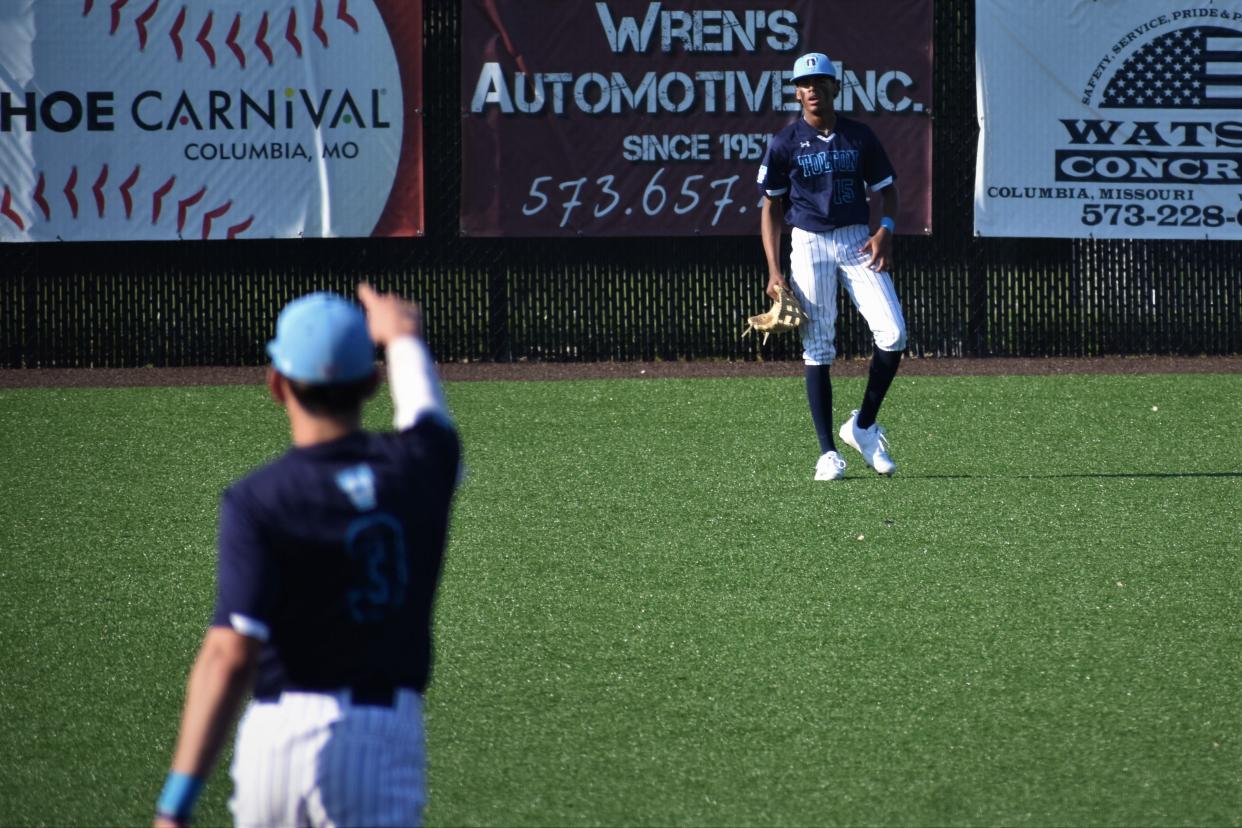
[[322, 339], [813, 63]]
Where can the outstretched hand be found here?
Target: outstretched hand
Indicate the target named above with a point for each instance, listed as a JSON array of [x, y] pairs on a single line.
[[389, 317]]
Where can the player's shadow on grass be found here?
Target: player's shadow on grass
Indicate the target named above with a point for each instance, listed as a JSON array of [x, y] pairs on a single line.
[[1086, 475]]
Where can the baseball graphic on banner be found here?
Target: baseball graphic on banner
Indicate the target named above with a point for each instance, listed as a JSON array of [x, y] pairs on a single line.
[[149, 119]]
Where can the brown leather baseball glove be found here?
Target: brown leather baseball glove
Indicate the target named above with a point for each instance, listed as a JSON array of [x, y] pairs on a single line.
[[786, 314]]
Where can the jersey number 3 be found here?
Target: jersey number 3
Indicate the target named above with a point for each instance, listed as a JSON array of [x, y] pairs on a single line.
[[379, 571]]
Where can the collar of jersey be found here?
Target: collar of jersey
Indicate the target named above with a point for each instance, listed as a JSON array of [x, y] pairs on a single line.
[[805, 127], [329, 446]]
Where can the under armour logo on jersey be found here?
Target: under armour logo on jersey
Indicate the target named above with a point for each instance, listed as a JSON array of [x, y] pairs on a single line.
[[805, 144], [358, 483]]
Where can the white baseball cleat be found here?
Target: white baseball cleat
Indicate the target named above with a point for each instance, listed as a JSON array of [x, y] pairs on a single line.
[[871, 443], [831, 466]]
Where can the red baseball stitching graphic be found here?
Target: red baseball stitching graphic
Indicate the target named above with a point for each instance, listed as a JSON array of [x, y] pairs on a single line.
[[237, 229], [97, 189], [202, 40], [342, 14], [233, 38], [125, 187], [6, 210], [100, 193], [261, 42], [40, 200], [184, 205], [231, 41], [212, 215], [317, 26], [291, 32], [101, 200], [157, 198], [73, 199], [116, 14], [175, 33], [141, 24]]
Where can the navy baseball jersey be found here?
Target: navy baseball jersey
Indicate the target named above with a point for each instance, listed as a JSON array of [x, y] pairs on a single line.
[[825, 177], [331, 555]]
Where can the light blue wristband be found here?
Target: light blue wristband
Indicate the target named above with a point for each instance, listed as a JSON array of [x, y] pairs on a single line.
[[888, 224], [177, 799]]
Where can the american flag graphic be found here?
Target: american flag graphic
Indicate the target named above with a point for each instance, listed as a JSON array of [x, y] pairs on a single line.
[[1194, 68]]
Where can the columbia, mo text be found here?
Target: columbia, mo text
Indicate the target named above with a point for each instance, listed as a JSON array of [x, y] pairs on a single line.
[[1136, 207], [271, 151]]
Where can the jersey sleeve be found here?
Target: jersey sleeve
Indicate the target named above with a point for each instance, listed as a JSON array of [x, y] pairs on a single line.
[[413, 383], [433, 443], [773, 178], [245, 576], [878, 171]]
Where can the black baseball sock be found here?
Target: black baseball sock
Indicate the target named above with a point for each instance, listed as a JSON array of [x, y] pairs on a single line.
[[819, 395], [883, 369]]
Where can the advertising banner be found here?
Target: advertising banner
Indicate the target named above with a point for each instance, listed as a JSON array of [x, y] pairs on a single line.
[[629, 118], [1109, 119], [210, 119]]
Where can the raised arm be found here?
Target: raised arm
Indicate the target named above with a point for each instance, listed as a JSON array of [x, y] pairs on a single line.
[[397, 325]]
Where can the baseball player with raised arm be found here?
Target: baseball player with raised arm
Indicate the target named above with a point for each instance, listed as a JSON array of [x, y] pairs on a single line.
[[816, 176], [329, 559]]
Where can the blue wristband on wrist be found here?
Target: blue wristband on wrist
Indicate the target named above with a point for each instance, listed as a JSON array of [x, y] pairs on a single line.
[[888, 224], [179, 794]]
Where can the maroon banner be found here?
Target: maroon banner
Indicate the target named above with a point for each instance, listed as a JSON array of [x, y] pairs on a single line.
[[632, 118], [404, 213]]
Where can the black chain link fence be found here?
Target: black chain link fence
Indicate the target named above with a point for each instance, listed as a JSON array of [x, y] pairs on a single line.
[[215, 303]]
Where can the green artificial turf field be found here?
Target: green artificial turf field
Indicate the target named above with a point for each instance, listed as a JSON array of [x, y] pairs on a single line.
[[651, 614]]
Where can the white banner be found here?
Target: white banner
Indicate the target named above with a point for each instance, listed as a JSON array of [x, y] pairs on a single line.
[[219, 119], [1109, 119]]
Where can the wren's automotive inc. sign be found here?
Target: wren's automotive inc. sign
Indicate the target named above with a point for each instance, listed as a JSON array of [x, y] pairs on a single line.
[[216, 120], [1113, 120], [651, 118]]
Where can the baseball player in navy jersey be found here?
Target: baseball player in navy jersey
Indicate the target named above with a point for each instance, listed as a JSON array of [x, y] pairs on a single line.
[[816, 176], [329, 559]]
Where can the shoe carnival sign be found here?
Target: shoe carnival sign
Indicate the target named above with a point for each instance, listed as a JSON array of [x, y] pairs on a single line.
[[1110, 119], [221, 119], [629, 118]]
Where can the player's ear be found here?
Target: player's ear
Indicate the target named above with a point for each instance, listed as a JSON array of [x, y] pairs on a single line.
[[277, 386]]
